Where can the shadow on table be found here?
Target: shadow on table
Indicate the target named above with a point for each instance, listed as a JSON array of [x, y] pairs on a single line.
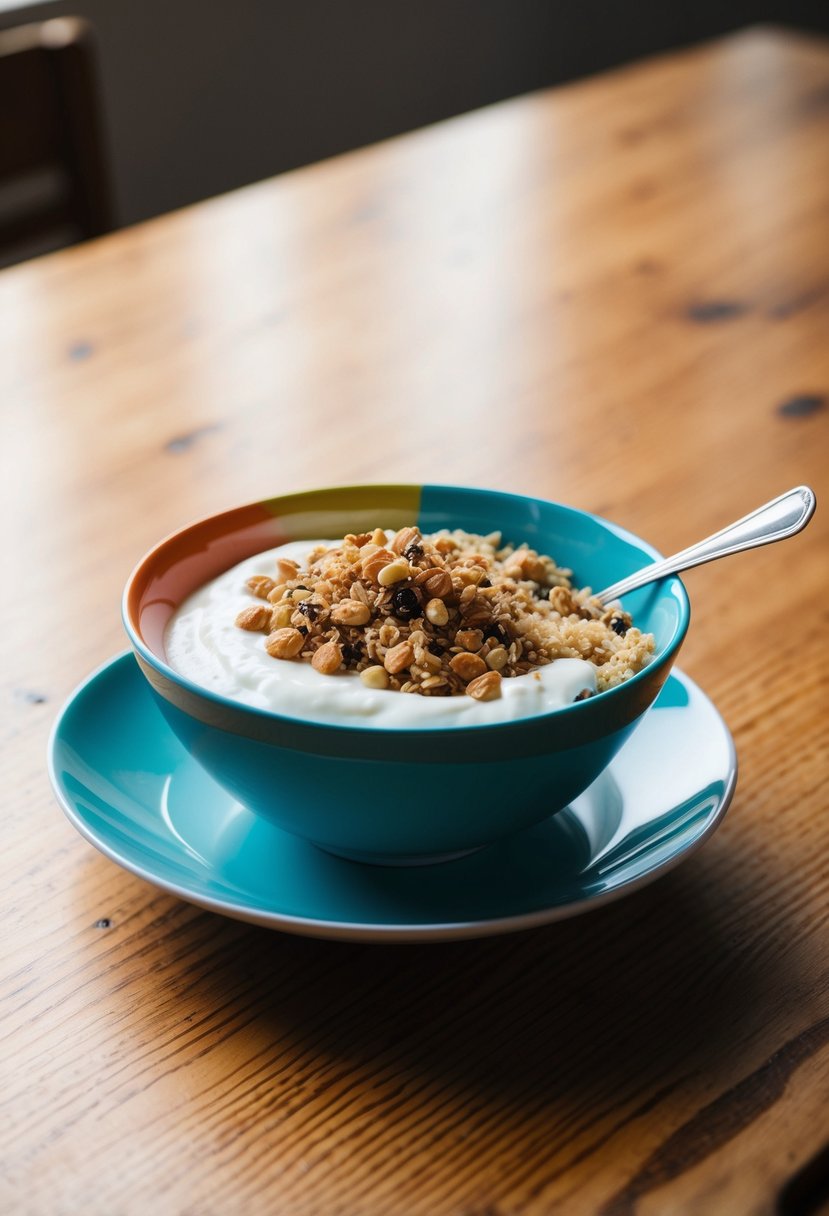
[[593, 1000], [587, 1023]]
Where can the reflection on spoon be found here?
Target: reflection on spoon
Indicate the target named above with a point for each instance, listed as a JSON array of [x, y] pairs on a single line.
[[782, 517]]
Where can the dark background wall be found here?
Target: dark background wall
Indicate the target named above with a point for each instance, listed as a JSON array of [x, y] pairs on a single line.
[[202, 96]]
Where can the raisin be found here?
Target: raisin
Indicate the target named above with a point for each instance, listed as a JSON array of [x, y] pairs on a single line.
[[619, 626], [435, 648], [405, 603], [350, 653], [413, 551], [485, 582], [499, 631], [308, 609]]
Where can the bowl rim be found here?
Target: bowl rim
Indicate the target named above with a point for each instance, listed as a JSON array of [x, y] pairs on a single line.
[[672, 585]]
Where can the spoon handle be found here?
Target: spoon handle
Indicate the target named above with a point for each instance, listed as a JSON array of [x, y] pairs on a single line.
[[782, 517]]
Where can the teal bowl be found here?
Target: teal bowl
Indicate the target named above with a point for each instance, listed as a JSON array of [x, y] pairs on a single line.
[[414, 795]]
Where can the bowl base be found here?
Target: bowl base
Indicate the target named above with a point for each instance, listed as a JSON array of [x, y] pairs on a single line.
[[397, 859]]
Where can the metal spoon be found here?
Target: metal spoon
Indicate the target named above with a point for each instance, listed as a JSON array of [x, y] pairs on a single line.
[[782, 517]]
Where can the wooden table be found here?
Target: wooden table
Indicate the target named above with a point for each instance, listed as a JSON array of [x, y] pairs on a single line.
[[613, 294]]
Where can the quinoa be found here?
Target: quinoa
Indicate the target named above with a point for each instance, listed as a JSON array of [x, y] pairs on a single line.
[[441, 615]]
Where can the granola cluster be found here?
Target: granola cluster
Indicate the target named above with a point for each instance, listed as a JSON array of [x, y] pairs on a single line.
[[440, 615]]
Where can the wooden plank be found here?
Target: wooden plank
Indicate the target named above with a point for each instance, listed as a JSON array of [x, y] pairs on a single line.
[[614, 294]]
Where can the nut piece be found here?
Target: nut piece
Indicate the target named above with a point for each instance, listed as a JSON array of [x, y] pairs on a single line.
[[436, 612], [260, 585], [497, 658], [328, 658], [470, 639], [486, 687], [375, 677], [281, 615], [393, 573], [374, 562], [435, 582], [300, 594], [256, 618], [286, 569], [562, 601], [398, 657], [467, 666], [350, 612], [404, 538], [284, 643]]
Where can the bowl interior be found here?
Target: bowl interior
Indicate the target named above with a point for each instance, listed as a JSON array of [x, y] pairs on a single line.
[[598, 552]]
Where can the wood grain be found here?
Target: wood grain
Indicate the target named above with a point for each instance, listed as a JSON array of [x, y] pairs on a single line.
[[614, 294]]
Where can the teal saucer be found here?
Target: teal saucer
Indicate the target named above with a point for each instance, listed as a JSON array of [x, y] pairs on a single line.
[[132, 790]]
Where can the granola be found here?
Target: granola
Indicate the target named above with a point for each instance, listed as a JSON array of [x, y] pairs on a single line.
[[442, 615]]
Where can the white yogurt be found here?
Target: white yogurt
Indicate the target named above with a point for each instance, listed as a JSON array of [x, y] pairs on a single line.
[[204, 644]]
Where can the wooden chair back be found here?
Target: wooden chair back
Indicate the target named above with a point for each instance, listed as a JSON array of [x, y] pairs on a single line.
[[54, 176]]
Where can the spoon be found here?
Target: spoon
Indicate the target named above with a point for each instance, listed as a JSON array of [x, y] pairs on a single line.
[[775, 520]]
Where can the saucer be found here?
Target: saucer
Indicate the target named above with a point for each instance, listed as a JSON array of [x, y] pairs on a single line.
[[131, 789]]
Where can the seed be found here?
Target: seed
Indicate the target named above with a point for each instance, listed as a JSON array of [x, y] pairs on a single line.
[[375, 677], [328, 658], [436, 612], [497, 658], [436, 583], [393, 573], [350, 612], [284, 643], [398, 657], [405, 603], [286, 569], [467, 666], [254, 618], [470, 639], [260, 585], [486, 687]]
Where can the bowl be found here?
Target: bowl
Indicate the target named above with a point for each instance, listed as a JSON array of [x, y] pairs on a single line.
[[403, 796]]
